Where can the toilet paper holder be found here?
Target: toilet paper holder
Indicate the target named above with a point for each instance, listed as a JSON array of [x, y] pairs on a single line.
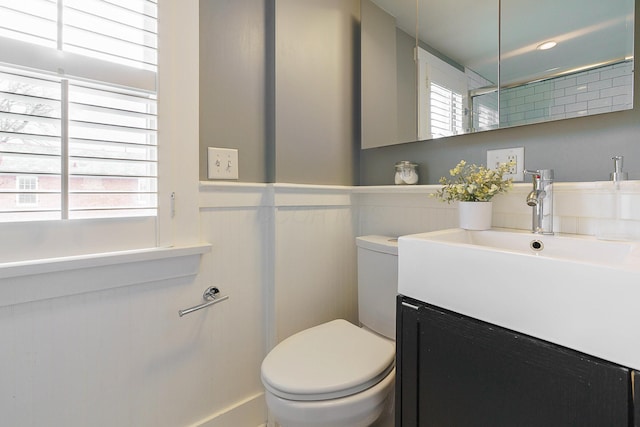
[[211, 297]]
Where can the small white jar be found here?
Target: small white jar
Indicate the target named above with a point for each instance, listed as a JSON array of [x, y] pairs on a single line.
[[406, 173]]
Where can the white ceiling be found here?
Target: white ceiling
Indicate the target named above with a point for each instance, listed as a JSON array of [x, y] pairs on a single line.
[[587, 31]]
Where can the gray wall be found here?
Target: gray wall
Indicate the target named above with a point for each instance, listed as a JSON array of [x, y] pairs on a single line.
[[317, 82], [288, 100], [290, 104], [577, 149], [233, 83]]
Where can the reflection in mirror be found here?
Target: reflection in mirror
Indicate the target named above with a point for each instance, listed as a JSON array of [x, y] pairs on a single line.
[[576, 60], [388, 72], [460, 67], [457, 67], [588, 69]]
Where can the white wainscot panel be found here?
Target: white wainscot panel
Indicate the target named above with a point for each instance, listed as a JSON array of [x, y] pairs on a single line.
[[315, 267], [237, 224]]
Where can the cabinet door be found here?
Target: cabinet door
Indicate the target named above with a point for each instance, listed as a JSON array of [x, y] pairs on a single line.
[[407, 341], [473, 374], [635, 395]]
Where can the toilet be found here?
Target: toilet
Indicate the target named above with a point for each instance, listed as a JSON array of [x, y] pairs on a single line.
[[337, 374]]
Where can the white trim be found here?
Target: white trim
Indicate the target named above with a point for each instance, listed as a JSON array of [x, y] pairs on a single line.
[[290, 195], [29, 281], [247, 412], [51, 265], [396, 189], [178, 38], [214, 194], [39, 240], [220, 195]]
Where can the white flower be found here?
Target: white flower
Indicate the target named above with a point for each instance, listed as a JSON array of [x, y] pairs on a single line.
[[474, 183]]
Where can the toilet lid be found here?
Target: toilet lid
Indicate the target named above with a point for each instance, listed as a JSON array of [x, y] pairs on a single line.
[[328, 361]]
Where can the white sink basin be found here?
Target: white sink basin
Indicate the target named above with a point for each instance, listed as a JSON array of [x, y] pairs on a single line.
[[574, 291], [574, 248]]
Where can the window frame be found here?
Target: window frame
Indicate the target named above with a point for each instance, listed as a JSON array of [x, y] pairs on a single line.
[[433, 70], [37, 240]]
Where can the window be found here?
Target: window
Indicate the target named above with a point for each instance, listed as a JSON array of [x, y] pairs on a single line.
[[27, 185], [78, 113]]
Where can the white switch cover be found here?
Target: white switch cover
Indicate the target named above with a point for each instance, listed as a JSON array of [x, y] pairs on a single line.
[[495, 157], [222, 163]]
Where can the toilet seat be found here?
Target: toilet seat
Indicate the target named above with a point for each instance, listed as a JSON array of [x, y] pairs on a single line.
[[328, 361]]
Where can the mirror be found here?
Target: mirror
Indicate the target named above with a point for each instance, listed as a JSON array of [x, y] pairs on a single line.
[[465, 55], [588, 71], [388, 77], [458, 67]]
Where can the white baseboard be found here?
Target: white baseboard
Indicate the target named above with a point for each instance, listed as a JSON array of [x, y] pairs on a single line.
[[246, 413]]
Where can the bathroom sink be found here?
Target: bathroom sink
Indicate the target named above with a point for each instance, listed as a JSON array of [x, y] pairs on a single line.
[[575, 291], [575, 248]]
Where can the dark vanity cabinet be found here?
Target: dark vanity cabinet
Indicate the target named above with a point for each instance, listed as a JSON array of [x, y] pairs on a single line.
[[456, 371]]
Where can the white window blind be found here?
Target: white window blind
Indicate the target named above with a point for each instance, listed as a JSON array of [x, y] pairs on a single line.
[[32, 21], [78, 109], [485, 117], [447, 111], [122, 31]]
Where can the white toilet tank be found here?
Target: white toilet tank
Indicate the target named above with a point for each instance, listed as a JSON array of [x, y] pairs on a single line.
[[378, 283]]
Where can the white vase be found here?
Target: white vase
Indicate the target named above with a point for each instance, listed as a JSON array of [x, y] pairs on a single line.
[[475, 215]]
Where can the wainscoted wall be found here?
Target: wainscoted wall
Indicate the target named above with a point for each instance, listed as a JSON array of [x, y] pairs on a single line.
[[294, 244], [120, 355], [285, 254], [579, 208], [315, 253], [237, 226], [397, 210]]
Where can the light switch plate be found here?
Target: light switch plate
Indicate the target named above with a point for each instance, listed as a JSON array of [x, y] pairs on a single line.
[[222, 163]]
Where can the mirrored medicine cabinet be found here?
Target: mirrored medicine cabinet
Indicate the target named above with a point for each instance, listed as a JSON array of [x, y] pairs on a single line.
[[436, 68]]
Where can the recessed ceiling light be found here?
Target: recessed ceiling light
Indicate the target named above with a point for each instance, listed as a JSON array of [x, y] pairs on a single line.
[[546, 45]]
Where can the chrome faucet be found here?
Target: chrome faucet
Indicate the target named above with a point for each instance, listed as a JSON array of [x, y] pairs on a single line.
[[541, 199]]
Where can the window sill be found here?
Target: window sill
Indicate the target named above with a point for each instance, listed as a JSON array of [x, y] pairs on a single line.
[[27, 281]]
